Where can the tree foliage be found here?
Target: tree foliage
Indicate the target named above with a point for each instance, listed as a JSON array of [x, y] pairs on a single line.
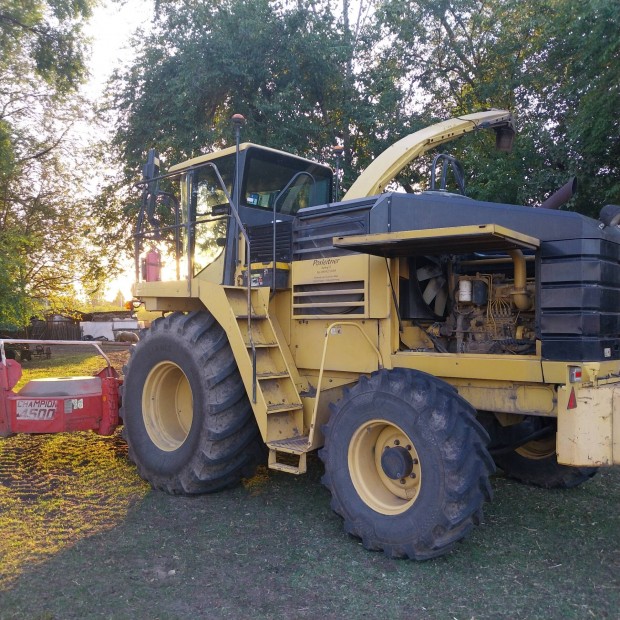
[[287, 69], [556, 68], [43, 234], [307, 75]]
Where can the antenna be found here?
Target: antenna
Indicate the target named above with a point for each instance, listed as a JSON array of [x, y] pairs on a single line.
[[337, 150]]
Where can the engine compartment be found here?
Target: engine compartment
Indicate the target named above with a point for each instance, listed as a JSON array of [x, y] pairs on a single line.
[[472, 304]]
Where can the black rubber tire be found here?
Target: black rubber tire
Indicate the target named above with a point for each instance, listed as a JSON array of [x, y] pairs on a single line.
[[455, 465], [223, 443], [521, 465]]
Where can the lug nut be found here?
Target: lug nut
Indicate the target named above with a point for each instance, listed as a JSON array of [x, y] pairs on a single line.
[[409, 447], [396, 442], [412, 475], [415, 461], [402, 481]]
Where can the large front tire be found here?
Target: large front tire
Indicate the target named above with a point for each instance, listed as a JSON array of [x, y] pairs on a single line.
[[188, 421], [406, 463]]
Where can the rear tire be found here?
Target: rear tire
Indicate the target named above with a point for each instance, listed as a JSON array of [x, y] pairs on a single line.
[[406, 463], [187, 418], [535, 462]]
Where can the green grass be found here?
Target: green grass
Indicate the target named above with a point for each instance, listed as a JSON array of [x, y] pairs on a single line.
[[63, 363], [84, 537]]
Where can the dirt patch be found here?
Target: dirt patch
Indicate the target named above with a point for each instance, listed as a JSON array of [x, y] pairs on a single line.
[[118, 359]]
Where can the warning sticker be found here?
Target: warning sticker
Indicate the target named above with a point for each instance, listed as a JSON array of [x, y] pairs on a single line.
[[37, 409]]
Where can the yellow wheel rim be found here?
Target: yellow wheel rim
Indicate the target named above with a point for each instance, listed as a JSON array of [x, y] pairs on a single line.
[[167, 406], [375, 482], [538, 449]]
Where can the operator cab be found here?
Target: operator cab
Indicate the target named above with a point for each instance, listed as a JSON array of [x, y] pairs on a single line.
[[186, 216]]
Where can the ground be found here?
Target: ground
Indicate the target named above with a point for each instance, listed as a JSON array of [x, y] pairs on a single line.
[[84, 537]]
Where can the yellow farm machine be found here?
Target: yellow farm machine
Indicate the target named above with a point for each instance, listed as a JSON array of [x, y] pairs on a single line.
[[416, 340]]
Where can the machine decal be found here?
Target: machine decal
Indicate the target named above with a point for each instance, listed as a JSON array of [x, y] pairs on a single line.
[[326, 270], [39, 409]]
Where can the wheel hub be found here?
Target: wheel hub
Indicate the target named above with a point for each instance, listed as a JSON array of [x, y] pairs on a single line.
[[396, 462], [384, 467], [167, 406]]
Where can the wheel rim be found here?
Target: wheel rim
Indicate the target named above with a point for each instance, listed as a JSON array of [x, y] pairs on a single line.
[[538, 449], [167, 406], [373, 475]]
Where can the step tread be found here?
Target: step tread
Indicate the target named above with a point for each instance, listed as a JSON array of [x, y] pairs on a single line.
[[273, 375], [289, 469], [293, 445], [281, 407]]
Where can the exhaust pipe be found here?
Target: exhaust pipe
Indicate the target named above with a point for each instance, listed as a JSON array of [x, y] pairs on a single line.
[[562, 196]]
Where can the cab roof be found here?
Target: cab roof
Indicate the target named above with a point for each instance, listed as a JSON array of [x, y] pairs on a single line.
[[195, 161]]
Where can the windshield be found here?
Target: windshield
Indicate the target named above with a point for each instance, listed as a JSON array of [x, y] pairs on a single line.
[[268, 173]]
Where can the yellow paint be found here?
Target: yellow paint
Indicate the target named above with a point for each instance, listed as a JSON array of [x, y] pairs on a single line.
[[588, 435], [507, 397], [201, 159], [500, 236], [278, 408], [593, 372], [347, 351], [502, 368]]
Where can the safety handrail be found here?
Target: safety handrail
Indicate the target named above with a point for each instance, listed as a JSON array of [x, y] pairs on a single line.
[[248, 258], [328, 333], [243, 232]]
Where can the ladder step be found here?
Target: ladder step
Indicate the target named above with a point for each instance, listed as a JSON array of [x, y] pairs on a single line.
[[281, 459], [292, 445], [289, 469], [272, 375], [252, 316], [282, 407]]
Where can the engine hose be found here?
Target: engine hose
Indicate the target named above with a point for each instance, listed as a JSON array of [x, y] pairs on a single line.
[[514, 341]]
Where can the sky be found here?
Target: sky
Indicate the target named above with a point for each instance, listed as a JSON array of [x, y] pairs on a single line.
[[110, 30]]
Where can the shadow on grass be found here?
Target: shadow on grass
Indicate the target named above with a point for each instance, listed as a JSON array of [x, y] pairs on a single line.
[[273, 549]]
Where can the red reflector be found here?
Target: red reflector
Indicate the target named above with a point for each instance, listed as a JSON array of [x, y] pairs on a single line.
[[572, 400]]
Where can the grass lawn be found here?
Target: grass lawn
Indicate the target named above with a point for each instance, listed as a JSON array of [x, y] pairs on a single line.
[[84, 537]]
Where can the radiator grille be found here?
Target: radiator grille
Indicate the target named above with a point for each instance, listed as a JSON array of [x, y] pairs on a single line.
[[330, 299], [261, 242]]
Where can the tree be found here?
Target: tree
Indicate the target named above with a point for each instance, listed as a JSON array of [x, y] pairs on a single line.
[[302, 74], [309, 74], [556, 69], [46, 244], [47, 34]]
